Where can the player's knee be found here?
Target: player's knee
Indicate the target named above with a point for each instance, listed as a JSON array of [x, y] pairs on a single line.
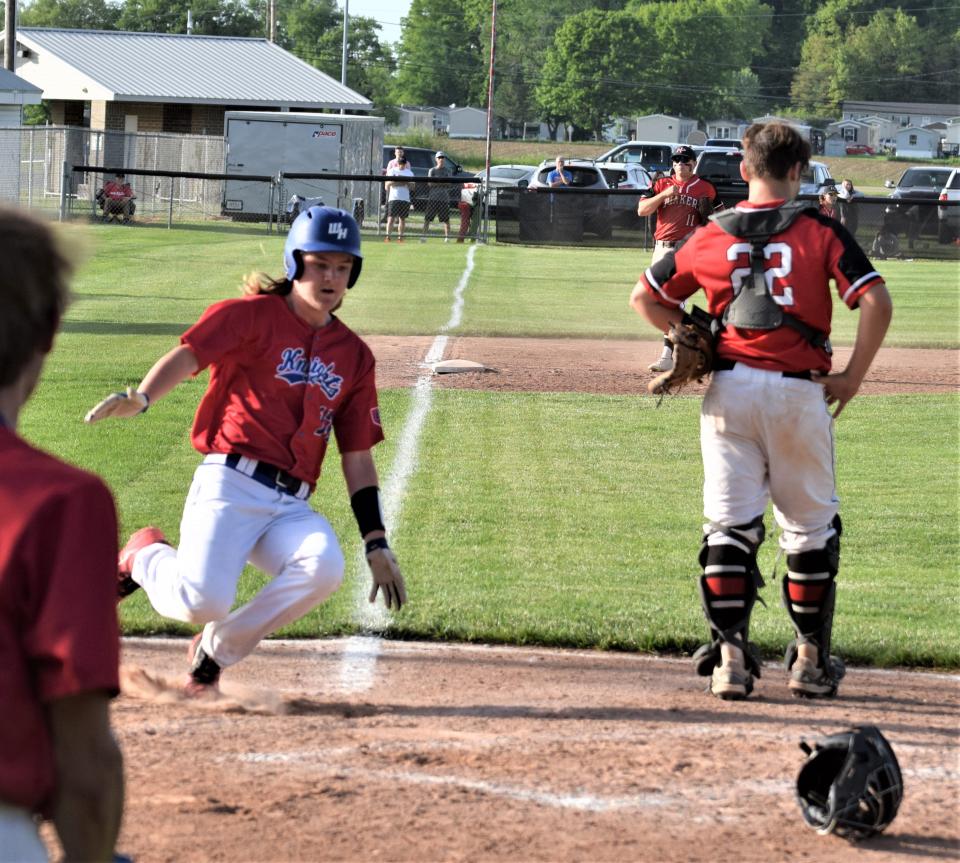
[[204, 608], [323, 570]]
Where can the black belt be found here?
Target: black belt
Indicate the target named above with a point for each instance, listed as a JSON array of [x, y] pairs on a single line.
[[721, 365], [269, 475], [668, 244]]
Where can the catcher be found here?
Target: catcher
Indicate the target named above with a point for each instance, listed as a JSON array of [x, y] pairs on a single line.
[[765, 428]]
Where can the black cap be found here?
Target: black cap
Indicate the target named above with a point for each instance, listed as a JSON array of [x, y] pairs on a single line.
[[684, 150]]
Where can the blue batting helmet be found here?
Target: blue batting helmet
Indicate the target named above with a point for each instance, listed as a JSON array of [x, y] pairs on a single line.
[[322, 229]]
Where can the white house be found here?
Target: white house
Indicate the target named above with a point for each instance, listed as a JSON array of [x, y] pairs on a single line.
[[951, 140], [916, 143], [834, 145], [803, 128], [725, 128], [855, 132], [14, 94], [902, 114], [663, 127], [416, 119], [467, 122]]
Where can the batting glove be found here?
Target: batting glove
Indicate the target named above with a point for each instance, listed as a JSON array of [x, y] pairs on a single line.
[[386, 574], [122, 405]]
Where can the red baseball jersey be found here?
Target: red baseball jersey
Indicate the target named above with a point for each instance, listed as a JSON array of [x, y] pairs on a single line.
[[680, 215], [58, 607], [113, 189], [278, 387], [800, 263]]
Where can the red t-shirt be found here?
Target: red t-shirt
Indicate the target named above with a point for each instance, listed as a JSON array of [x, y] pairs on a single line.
[[278, 387], [117, 191], [681, 213], [58, 607], [801, 261]]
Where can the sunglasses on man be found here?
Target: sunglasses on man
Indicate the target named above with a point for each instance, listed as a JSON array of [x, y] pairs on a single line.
[[686, 160]]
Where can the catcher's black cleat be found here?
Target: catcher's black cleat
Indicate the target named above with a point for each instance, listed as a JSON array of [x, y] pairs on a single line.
[[807, 680]]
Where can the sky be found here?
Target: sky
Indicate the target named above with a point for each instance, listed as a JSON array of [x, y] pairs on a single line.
[[386, 12]]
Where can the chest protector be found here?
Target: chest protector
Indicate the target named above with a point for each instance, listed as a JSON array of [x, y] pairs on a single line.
[[753, 308]]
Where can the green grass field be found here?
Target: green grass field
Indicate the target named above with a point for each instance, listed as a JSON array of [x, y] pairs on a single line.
[[563, 519]]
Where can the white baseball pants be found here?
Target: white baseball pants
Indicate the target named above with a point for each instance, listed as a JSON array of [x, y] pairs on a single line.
[[230, 519], [763, 437], [19, 840]]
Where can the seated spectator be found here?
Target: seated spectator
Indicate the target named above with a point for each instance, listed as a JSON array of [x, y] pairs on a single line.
[[117, 199]]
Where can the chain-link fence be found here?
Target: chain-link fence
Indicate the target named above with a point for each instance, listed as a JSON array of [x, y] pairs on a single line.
[[884, 227]]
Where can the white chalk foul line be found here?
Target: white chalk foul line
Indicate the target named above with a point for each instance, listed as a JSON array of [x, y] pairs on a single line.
[[360, 654]]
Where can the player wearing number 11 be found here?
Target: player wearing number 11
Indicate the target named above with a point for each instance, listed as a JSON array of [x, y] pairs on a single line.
[[765, 428], [682, 203]]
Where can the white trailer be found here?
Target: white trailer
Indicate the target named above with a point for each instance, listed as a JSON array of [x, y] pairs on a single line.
[[266, 143]]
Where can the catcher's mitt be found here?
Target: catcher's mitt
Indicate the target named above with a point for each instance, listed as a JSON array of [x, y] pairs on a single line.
[[692, 358]]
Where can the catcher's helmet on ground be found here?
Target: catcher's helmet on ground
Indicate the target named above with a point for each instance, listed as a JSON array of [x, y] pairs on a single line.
[[322, 229], [850, 784]]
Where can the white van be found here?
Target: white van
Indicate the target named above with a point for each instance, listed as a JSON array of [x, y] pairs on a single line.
[[815, 178]]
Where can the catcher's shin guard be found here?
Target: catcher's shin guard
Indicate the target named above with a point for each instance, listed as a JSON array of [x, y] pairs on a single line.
[[809, 593], [728, 590]]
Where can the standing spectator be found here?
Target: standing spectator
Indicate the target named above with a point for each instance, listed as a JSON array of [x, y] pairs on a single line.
[[398, 153], [438, 198], [398, 197], [766, 432], [285, 374], [849, 215], [118, 198], [468, 207], [59, 639], [681, 203], [828, 202], [559, 176]]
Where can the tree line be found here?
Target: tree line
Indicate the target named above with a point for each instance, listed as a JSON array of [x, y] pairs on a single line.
[[582, 63]]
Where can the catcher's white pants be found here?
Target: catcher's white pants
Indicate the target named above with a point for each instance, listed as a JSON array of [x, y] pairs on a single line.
[[230, 519], [763, 437]]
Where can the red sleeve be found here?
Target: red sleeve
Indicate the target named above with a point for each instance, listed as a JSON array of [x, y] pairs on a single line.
[[357, 421], [672, 279], [227, 326], [850, 267], [73, 640]]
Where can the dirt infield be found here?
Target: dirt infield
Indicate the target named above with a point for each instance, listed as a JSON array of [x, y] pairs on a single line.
[[365, 749], [619, 366], [360, 749]]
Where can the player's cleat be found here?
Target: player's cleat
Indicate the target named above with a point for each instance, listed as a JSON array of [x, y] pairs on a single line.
[[386, 239], [808, 680], [138, 541], [204, 677], [446, 239], [664, 364], [731, 681]]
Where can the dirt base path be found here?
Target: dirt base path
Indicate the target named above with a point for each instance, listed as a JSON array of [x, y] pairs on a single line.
[[360, 749], [619, 366]]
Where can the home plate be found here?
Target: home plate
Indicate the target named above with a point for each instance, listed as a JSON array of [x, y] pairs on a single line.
[[447, 367]]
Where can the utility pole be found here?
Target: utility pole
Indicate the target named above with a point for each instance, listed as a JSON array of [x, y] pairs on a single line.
[[10, 37], [486, 160], [343, 60], [272, 20]]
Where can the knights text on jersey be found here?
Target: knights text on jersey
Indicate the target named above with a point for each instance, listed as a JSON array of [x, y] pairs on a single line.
[[279, 387], [681, 213], [800, 263]]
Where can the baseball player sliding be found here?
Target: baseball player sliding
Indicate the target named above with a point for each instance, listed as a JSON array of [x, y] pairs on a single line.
[[284, 373], [765, 428]]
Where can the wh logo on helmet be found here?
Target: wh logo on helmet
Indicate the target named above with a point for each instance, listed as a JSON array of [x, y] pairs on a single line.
[[339, 229]]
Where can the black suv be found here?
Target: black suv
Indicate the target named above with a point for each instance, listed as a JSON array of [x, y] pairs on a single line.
[[420, 161]]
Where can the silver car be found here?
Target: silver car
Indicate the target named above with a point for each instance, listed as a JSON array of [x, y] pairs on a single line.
[[501, 177], [626, 176]]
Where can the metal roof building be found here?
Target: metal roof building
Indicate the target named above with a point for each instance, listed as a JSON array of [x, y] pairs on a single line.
[[169, 82]]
